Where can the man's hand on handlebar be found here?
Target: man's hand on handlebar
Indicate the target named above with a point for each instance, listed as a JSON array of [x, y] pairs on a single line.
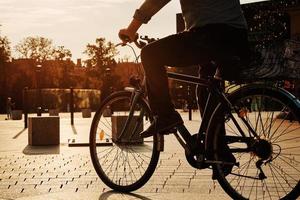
[[127, 36]]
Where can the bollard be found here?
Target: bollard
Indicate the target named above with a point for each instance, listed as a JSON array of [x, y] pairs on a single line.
[[72, 105], [190, 114], [25, 106]]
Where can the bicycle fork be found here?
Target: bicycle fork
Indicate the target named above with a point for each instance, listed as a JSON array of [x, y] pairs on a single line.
[[136, 94]]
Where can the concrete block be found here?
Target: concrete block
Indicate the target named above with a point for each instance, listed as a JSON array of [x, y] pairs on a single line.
[[86, 113], [43, 130], [53, 112], [16, 115], [118, 123]]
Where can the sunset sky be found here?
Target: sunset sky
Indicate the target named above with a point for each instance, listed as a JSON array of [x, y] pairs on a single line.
[[75, 23]]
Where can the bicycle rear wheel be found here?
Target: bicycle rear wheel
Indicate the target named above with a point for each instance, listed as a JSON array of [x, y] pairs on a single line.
[[267, 166], [122, 159]]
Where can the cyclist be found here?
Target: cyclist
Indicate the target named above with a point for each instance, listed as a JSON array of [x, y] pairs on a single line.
[[215, 30]]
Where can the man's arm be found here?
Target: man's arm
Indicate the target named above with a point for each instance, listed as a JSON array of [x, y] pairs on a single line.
[[148, 9], [142, 16]]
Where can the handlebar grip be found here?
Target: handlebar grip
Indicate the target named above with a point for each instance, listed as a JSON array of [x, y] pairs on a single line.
[[124, 38]]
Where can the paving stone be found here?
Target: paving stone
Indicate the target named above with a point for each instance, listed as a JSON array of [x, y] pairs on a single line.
[[69, 174]]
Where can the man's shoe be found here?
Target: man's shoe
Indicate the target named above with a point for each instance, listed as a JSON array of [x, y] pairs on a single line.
[[163, 125]]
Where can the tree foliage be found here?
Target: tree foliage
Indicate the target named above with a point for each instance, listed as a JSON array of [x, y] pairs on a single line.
[[40, 48], [5, 50], [101, 54], [60, 53], [37, 48], [5, 53]]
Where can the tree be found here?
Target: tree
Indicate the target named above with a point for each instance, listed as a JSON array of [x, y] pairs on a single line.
[[60, 53], [101, 54], [37, 48], [40, 48], [5, 53], [5, 50]]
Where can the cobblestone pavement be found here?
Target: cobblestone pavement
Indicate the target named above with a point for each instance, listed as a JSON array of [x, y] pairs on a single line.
[[63, 172]]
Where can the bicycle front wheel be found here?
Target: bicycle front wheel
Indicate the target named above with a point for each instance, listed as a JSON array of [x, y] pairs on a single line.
[[122, 159], [267, 166]]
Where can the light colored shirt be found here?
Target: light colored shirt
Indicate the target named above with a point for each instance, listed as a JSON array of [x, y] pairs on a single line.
[[197, 13]]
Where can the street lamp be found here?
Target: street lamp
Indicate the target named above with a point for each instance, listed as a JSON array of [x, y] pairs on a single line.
[[106, 88], [38, 73]]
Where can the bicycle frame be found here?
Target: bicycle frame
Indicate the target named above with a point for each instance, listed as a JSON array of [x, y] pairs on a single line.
[[215, 91], [185, 138]]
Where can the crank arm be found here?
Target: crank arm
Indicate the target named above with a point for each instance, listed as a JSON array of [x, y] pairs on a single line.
[[221, 162]]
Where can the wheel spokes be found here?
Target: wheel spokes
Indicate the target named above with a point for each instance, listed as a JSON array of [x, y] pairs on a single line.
[[280, 136]]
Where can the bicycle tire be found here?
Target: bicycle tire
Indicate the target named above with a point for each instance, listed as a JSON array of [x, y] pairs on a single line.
[[136, 156], [278, 113]]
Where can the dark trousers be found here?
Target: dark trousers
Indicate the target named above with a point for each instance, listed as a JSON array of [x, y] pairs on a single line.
[[199, 46]]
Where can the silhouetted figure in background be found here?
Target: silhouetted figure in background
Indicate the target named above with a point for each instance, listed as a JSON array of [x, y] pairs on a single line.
[[9, 107]]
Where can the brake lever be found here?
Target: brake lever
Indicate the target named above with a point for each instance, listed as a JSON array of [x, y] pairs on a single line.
[[140, 44], [146, 38]]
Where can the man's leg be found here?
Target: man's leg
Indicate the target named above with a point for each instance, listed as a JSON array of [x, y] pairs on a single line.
[[202, 96], [185, 49], [205, 71], [180, 50]]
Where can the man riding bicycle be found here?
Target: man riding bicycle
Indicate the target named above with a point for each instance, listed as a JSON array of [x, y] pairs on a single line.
[[215, 31]]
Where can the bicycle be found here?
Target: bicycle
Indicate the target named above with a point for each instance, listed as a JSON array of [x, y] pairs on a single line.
[[262, 124]]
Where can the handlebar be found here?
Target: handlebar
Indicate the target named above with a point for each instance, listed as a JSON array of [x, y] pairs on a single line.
[[140, 41]]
